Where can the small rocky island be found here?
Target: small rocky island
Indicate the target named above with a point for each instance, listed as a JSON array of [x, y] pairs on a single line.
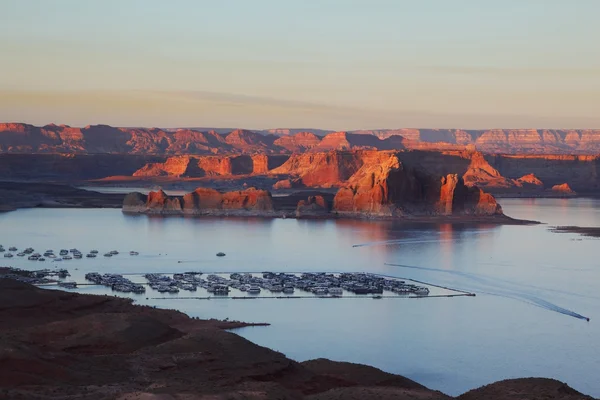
[[381, 189]]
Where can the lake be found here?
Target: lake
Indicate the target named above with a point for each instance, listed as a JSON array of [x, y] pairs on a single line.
[[533, 286]]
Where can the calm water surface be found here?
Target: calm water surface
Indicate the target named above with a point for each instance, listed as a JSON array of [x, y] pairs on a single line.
[[532, 285]]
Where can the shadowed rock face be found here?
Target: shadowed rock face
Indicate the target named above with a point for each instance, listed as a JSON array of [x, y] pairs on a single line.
[[314, 206], [158, 202], [385, 187]]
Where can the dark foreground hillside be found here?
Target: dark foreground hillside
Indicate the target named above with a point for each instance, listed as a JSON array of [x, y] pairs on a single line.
[[61, 345]]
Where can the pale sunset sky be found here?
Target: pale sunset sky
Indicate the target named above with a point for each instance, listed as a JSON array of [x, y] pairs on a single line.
[[331, 64]]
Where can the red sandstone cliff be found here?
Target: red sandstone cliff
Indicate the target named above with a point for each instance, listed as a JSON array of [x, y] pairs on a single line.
[[25, 138]]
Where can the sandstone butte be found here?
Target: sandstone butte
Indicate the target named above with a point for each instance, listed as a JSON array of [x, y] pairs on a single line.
[[381, 187], [387, 188], [202, 201], [99, 139]]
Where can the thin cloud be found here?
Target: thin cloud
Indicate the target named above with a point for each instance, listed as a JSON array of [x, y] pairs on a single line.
[[511, 71]]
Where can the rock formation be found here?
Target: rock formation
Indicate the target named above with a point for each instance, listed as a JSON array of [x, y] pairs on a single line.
[[314, 206], [385, 187], [202, 201], [327, 169], [530, 181], [564, 189], [159, 203], [200, 166], [481, 173]]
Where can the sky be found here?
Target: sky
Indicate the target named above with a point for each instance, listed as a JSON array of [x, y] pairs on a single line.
[[330, 64]]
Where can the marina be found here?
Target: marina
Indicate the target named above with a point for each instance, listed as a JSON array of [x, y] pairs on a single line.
[[264, 285]]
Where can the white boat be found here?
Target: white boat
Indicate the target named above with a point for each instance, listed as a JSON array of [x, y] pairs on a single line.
[[8, 255], [133, 253], [108, 255]]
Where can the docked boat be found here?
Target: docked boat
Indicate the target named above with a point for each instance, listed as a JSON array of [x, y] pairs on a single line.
[[133, 253], [91, 255], [12, 248], [94, 251], [336, 291], [67, 257], [21, 254], [68, 285], [108, 255], [114, 252], [421, 291], [254, 289], [8, 255], [77, 255], [288, 289], [32, 258], [63, 252], [41, 259]]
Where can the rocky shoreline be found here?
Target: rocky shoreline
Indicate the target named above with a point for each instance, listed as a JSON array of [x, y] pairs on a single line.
[[65, 345]]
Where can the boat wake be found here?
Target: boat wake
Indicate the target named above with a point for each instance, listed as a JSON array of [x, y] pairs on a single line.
[[498, 287]]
